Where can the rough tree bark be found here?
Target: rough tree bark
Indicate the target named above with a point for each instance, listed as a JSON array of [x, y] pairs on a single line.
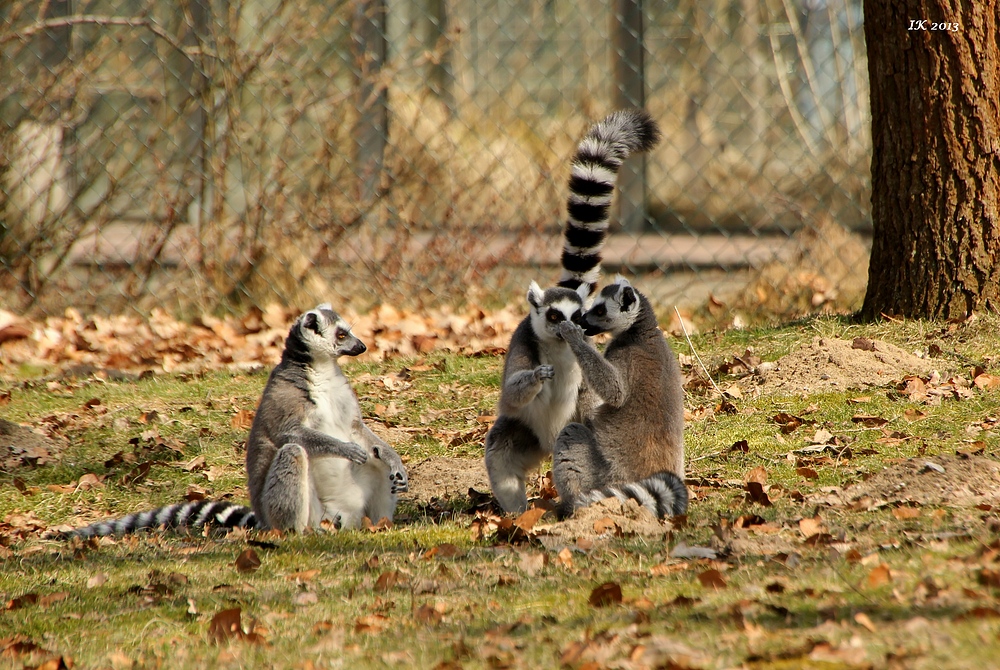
[[934, 67]]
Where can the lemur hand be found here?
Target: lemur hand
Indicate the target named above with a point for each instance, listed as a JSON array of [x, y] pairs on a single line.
[[571, 333], [544, 372], [398, 482], [355, 453]]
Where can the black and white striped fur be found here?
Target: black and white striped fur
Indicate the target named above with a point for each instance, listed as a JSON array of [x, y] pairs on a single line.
[[191, 515], [632, 446], [598, 158], [310, 458], [663, 494], [542, 387]]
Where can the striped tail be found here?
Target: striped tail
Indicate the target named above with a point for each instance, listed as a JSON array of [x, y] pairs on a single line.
[[598, 158], [663, 494], [191, 515]]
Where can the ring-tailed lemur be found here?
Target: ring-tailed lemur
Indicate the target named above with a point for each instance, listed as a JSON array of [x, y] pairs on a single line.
[[633, 444], [541, 386], [310, 457]]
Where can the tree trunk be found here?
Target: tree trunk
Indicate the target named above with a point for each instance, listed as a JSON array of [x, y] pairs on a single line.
[[934, 68]]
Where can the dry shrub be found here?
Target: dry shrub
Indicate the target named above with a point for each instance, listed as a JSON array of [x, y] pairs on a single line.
[[827, 271]]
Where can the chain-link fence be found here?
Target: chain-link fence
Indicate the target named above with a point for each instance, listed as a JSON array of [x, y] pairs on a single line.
[[207, 154]]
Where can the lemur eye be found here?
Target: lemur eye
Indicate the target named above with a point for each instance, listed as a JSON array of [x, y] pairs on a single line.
[[600, 310], [576, 316], [555, 316], [341, 336]]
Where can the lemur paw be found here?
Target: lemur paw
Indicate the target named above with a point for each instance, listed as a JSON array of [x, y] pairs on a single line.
[[571, 332], [355, 453], [544, 372], [398, 483]]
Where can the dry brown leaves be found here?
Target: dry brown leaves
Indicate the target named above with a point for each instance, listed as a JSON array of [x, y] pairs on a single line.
[[101, 344]]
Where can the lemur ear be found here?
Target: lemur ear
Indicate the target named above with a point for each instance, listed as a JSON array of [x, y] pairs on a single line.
[[311, 321], [620, 281], [323, 306], [535, 294], [628, 297], [583, 290]]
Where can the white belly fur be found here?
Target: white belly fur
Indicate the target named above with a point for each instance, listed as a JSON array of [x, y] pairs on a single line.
[[554, 406], [341, 488]]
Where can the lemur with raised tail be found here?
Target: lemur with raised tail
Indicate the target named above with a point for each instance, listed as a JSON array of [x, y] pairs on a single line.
[[541, 385], [310, 458], [633, 444]]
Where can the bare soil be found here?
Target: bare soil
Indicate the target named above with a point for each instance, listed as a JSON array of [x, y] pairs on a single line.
[[443, 477], [966, 481], [831, 364], [606, 519], [21, 446]]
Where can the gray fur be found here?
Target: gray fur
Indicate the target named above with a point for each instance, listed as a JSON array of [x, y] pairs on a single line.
[[633, 444], [540, 393], [310, 457], [542, 386]]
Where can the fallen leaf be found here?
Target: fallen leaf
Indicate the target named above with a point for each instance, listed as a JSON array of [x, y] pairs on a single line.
[[247, 561], [869, 421], [668, 568], [226, 625], [50, 598], [879, 576], [152, 416], [195, 464], [531, 564], [863, 619], [985, 382], [389, 580], [808, 473], [607, 525], [97, 580], [565, 558], [606, 594], [712, 578], [526, 521], [372, 623], [903, 513], [756, 494], [811, 526], [21, 601], [242, 420], [304, 575]]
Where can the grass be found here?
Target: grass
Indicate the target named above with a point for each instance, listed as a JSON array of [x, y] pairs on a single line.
[[325, 600]]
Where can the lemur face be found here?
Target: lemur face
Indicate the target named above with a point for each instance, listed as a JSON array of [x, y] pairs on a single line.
[[325, 332], [552, 307], [615, 309]]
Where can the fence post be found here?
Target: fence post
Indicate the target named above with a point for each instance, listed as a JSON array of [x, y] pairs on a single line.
[[368, 42], [630, 91]]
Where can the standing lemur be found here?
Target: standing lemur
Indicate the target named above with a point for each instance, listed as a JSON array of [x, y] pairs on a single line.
[[310, 457], [633, 444], [541, 386]]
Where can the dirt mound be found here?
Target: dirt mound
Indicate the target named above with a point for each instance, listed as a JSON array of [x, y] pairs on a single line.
[[931, 480], [21, 446], [603, 520], [830, 364], [444, 477]]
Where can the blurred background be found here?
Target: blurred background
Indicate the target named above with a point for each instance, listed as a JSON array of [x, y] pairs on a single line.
[[213, 155]]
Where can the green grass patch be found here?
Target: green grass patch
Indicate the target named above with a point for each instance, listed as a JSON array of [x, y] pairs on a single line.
[[907, 577]]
